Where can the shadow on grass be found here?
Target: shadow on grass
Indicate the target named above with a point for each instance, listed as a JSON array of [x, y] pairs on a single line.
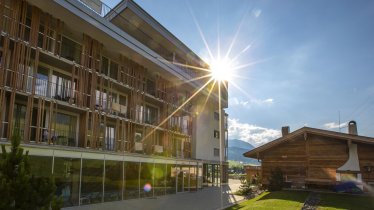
[[346, 201]]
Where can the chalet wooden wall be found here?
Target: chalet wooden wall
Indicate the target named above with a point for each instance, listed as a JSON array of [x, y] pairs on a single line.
[[313, 159]]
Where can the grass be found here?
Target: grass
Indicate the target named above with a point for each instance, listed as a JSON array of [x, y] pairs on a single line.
[[274, 200], [295, 200], [345, 201]]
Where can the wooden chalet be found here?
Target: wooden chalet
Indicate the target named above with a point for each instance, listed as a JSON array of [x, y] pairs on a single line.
[[310, 157]]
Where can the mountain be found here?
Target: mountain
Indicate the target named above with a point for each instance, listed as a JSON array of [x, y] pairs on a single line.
[[236, 149]]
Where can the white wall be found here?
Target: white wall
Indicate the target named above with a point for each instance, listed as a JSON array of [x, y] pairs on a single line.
[[204, 141]]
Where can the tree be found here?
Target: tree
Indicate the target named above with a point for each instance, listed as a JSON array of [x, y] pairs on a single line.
[[19, 189]]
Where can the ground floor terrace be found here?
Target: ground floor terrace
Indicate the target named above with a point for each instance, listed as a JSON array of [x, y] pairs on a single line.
[[85, 177]]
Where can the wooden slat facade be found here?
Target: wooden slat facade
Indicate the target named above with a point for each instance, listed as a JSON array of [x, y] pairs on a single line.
[[32, 39]]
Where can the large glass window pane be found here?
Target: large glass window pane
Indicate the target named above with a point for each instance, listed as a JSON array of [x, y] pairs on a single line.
[[171, 174], [92, 181], [113, 180], [65, 133], [71, 50], [19, 114], [186, 177], [40, 166], [109, 138], [193, 178], [66, 173], [159, 174], [41, 84], [151, 115], [146, 180], [131, 180]]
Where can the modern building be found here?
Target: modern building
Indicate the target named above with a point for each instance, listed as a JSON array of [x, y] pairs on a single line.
[[106, 101], [310, 157]]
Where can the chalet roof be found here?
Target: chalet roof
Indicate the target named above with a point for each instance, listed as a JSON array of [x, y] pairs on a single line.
[[307, 130]]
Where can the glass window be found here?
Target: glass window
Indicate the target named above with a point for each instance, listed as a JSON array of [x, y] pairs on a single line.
[[65, 133], [159, 174], [151, 87], [66, 173], [105, 66], [146, 180], [41, 84], [113, 180], [216, 152], [40, 166], [71, 50], [19, 117], [61, 87], [216, 116], [92, 181], [131, 180], [113, 70], [151, 115], [109, 138], [171, 174], [216, 134], [193, 178]]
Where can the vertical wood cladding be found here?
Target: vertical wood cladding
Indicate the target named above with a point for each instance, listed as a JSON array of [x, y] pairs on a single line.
[[29, 37]]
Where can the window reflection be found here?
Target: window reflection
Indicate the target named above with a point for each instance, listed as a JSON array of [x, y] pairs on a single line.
[[131, 180], [66, 173], [146, 180], [113, 180], [92, 181]]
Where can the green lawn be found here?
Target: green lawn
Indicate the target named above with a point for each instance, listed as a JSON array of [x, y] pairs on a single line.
[[344, 201], [295, 199], [275, 200]]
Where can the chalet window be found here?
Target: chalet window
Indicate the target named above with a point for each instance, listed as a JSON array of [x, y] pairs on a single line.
[[216, 152], [71, 50], [216, 134]]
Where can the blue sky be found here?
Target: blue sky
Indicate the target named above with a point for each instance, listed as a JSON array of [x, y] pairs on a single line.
[[310, 59]]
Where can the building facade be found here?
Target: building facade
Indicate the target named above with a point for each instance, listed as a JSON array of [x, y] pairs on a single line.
[[314, 158], [106, 103]]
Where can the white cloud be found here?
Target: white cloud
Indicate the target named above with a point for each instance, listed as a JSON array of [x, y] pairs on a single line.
[[252, 134], [334, 125], [256, 12], [249, 103]]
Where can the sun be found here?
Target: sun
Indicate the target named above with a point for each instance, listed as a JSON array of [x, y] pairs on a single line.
[[221, 70]]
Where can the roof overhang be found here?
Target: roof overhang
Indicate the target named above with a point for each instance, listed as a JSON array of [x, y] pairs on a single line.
[[255, 153]]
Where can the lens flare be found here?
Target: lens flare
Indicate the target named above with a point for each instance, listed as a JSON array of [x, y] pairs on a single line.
[[147, 187]]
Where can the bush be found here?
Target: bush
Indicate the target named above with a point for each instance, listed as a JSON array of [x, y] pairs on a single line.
[[276, 180], [19, 189], [245, 188]]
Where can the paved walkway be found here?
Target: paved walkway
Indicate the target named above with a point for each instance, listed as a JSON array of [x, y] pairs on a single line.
[[206, 199]]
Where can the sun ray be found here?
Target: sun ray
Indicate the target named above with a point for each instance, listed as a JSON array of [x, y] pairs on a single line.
[[237, 33], [207, 98], [178, 108], [200, 31]]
